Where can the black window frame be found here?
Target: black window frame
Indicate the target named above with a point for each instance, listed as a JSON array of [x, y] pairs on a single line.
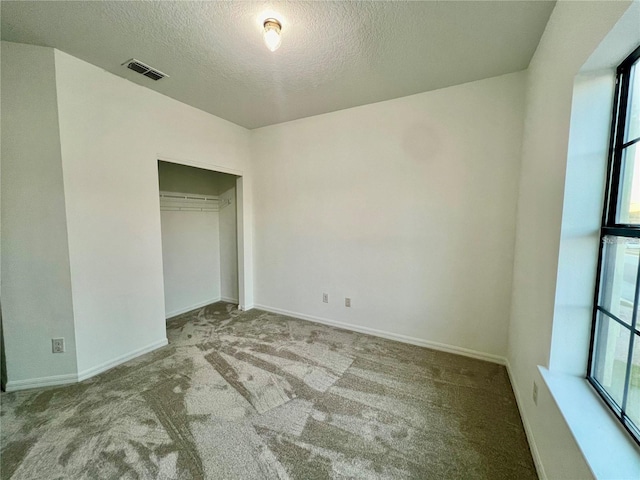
[[610, 227]]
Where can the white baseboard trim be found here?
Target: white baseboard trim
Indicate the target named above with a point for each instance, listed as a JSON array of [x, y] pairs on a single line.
[[180, 311], [15, 385], [93, 371], [535, 453], [489, 357], [57, 380], [229, 299]]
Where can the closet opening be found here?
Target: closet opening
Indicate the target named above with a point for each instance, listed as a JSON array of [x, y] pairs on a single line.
[[199, 223]]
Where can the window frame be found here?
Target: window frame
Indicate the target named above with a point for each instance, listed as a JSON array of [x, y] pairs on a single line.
[[610, 227]]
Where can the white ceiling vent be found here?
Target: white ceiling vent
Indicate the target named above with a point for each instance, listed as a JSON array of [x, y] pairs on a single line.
[[144, 69]]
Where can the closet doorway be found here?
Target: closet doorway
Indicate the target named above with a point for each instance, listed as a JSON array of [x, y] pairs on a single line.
[[199, 223]]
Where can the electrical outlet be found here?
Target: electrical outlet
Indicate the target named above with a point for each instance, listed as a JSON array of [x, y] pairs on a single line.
[[347, 302], [535, 393], [57, 345], [325, 297]]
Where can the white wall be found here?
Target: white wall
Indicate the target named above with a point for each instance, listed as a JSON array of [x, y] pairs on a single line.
[[112, 134], [406, 206], [229, 247], [190, 259], [80, 198], [245, 226], [36, 283], [581, 219], [573, 32], [199, 249]]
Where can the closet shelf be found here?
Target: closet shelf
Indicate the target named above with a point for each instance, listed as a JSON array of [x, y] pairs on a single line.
[[188, 202]]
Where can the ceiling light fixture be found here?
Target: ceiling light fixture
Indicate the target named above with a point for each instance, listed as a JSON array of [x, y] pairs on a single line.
[[271, 34]]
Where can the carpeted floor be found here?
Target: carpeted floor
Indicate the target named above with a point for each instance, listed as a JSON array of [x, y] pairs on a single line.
[[254, 395]]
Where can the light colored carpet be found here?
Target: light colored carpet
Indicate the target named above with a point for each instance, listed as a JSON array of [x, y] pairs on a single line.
[[254, 395]]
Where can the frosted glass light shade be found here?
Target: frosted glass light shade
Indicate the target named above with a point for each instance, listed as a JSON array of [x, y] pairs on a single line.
[[272, 34]]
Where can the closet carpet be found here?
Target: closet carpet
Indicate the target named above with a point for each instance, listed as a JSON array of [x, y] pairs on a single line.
[[255, 395]]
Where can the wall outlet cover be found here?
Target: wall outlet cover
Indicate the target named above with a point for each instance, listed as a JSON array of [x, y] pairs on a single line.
[[57, 345]]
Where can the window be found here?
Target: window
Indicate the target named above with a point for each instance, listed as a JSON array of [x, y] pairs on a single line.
[[614, 360]]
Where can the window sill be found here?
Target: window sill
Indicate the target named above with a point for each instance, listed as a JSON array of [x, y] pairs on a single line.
[[605, 444]]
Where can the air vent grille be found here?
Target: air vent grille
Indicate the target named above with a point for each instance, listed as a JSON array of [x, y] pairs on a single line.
[[144, 69], [153, 75]]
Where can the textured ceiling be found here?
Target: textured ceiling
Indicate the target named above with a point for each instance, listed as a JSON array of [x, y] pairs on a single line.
[[334, 55]]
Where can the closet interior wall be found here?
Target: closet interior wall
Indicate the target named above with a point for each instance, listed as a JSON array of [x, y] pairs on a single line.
[[199, 241]]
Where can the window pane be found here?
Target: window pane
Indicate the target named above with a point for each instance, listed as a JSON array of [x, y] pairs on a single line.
[[611, 353], [633, 107], [619, 272], [629, 192], [633, 400]]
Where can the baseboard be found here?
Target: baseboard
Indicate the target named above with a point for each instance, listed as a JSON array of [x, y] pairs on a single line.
[[229, 299], [180, 311], [537, 460], [93, 371], [54, 380], [390, 335]]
